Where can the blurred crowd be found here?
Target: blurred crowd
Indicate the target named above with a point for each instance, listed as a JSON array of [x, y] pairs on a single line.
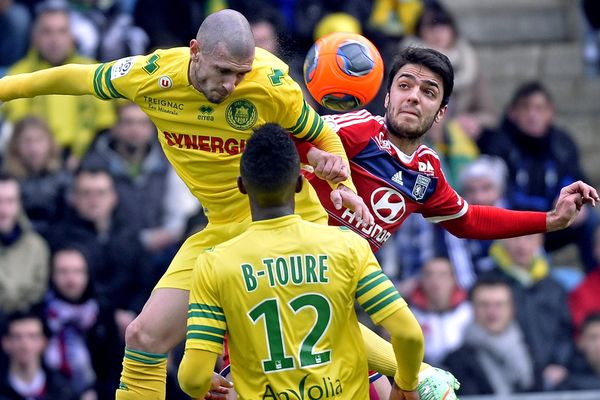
[[91, 212]]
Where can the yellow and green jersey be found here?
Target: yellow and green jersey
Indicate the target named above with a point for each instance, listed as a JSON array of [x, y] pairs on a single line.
[[284, 291], [203, 140]]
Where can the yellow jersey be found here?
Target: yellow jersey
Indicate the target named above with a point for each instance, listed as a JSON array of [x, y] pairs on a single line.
[[202, 140], [284, 291]]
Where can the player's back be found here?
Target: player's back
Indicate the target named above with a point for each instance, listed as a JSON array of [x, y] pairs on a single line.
[[287, 288]]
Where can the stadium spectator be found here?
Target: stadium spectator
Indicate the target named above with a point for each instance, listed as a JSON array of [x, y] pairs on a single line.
[[591, 43], [584, 299], [113, 248], [142, 175], [173, 25], [26, 378], [494, 358], [73, 120], [482, 182], [584, 370], [471, 107], [83, 341], [540, 304], [442, 309], [15, 22], [541, 158], [24, 254], [33, 157]]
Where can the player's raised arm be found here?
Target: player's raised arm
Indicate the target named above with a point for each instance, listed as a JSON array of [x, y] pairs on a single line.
[[70, 79], [488, 222]]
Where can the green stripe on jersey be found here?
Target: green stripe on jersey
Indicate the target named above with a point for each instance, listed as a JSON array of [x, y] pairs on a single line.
[[206, 314], [206, 328], [200, 306], [378, 298], [368, 278], [204, 336], [301, 123], [371, 285], [98, 83], [384, 303], [111, 88]]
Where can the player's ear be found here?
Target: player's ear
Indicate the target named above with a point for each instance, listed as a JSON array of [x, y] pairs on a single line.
[[240, 185], [299, 183], [387, 100], [194, 49], [440, 114]]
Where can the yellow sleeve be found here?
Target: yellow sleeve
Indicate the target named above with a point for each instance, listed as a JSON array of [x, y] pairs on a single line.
[[375, 292], [379, 298], [70, 79], [195, 372], [206, 324], [408, 343], [310, 127]]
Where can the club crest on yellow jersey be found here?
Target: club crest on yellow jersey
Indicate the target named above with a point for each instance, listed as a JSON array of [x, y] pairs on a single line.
[[241, 114]]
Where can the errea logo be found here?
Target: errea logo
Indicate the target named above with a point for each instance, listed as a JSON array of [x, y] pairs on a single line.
[[206, 113]]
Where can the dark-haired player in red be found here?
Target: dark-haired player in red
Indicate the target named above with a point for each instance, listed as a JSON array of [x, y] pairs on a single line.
[[397, 175]]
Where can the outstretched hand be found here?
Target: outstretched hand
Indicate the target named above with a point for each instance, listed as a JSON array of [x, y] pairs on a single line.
[[219, 388], [344, 197], [569, 203], [327, 166]]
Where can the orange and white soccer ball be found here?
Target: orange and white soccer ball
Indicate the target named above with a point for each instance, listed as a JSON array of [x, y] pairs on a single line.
[[343, 71]]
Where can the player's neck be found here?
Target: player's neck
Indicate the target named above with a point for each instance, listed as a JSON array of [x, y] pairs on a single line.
[[407, 146], [265, 213]]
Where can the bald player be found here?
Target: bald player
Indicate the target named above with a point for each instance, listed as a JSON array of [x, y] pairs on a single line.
[[205, 100]]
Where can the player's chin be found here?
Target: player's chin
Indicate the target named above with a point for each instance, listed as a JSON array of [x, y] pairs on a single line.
[[216, 97]]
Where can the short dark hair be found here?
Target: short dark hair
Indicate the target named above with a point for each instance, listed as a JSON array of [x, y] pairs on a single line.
[[487, 280], [16, 316], [528, 89], [591, 319], [92, 168], [435, 14], [6, 177], [270, 162], [437, 62]]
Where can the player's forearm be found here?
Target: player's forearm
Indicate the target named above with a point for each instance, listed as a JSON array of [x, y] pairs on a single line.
[[70, 79], [330, 142], [195, 372], [408, 344], [486, 223]]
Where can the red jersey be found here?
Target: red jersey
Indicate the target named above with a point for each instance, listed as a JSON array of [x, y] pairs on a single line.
[[392, 184]]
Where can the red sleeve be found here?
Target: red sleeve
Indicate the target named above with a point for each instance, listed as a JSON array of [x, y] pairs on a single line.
[[486, 223], [303, 147]]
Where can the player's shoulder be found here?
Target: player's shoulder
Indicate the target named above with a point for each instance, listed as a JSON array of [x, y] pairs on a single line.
[[354, 120], [265, 60], [341, 235], [160, 63], [268, 71], [428, 161]]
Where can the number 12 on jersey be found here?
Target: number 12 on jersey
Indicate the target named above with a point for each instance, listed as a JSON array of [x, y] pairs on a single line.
[[278, 360]]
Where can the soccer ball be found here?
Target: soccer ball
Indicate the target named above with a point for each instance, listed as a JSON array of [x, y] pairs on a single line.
[[343, 71]]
